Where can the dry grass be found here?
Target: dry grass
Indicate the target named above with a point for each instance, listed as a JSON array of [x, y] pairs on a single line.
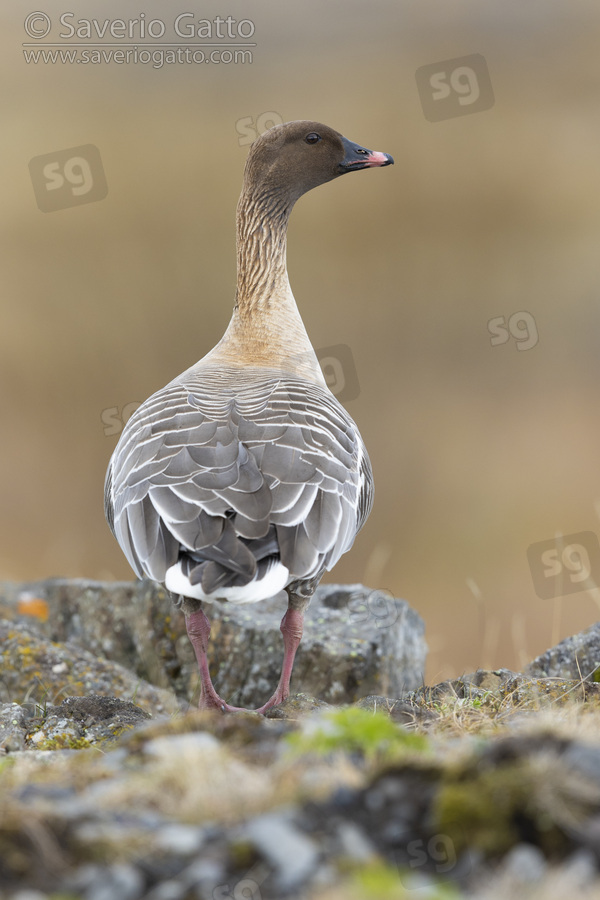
[[534, 704]]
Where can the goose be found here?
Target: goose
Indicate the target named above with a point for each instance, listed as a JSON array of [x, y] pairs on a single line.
[[245, 475]]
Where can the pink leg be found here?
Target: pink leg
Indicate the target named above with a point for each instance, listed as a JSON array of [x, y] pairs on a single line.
[[198, 629], [291, 629]]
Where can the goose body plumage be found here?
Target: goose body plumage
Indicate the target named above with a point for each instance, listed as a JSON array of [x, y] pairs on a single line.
[[227, 476], [245, 475]]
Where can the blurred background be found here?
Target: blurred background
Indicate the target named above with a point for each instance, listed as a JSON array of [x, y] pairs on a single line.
[[459, 289]]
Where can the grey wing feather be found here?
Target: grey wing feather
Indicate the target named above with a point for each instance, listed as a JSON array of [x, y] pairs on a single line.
[[221, 467], [109, 511]]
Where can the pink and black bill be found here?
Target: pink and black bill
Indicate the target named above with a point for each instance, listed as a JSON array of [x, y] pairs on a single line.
[[357, 157]]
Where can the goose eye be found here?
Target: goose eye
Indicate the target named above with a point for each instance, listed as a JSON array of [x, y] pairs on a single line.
[[312, 138]]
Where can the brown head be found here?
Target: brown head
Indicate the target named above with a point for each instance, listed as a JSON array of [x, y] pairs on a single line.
[[290, 159]]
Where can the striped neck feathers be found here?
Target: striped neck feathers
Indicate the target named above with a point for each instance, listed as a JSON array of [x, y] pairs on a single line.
[[266, 329]]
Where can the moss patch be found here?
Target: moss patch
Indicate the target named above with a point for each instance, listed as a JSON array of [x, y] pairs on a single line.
[[493, 808], [355, 730]]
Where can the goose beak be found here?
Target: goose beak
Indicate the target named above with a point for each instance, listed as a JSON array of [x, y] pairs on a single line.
[[357, 157]]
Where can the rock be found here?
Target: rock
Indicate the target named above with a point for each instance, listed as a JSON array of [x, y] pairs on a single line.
[[502, 690], [394, 811], [296, 706], [585, 759], [126, 622], [119, 881], [356, 641], [76, 724], [94, 708], [525, 864], [12, 727], [493, 681], [82, 721], [581, 868], [180, 840], [475, 686], [41, 670], [255, 738], [354, 843], [576, 658], [535, 693], [291, 854], [535, 789], [177, 811], [453, 689], [168, 890], [205, 876], [401, 711], [28, 895], [178, 745]]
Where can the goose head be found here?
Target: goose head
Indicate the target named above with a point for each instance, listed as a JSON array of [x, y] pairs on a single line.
[[290, 159]]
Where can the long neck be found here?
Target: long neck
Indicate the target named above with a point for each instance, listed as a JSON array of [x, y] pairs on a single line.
[[266, 328], [261, 242]]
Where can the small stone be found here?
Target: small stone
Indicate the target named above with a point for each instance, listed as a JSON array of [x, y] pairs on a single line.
[[354, 843], [591, 834], [29, 895], [168, 890], [296, 706], [81, 878], [292, 854], [182, 840], [584, 758], [525, 863], [581, 868], [120, 881], [203, 874], [172, 746]]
